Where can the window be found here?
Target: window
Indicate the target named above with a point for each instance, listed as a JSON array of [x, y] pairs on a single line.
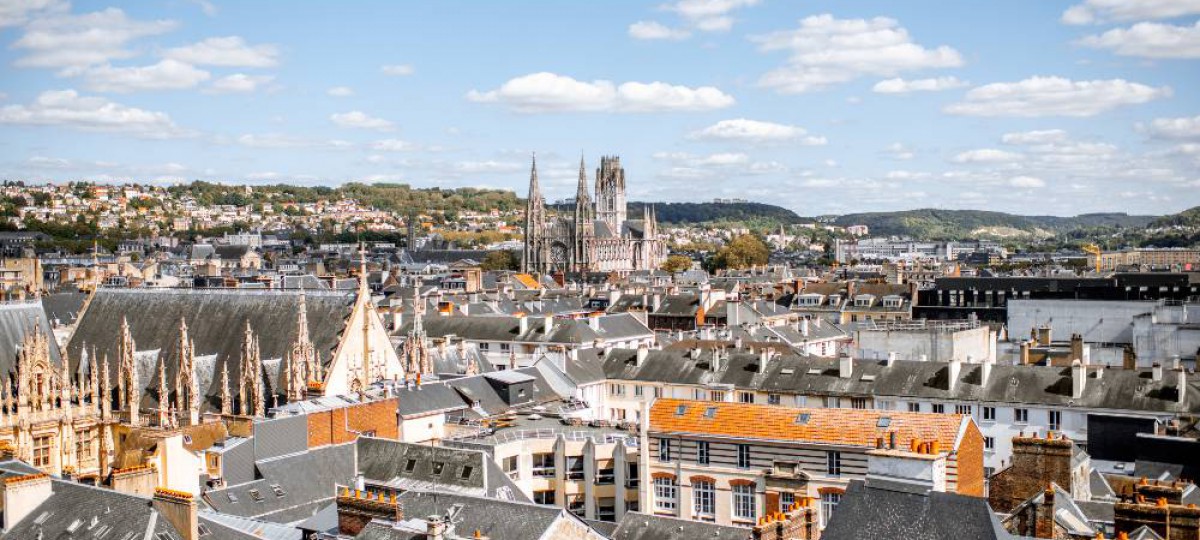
[[616, 389], [939, 408], [858, 403], [41, 451], [84, 440], [698, 394], [504, 347], [1055, 418], [605, 473], [743, 502], [664, 450], [833, 463], [483, 346], [710, 412], [718, 395], [704, 498], [606, 509], [575, 504], [989, 414], [744, 456], [631, 478], [1021, 416], [989, 443], [773, 399], [702, 455], [543, 465], [466, 472], [544, 497], [638, 390], [510, 467], [666, 494], [746, 397], [829, 502], [574, 468], [786, 500], [657, 392], [410, 465], [438, 466], [962, 409], [914, 407]]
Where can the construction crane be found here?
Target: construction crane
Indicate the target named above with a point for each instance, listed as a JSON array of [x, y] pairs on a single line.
[[1093, 249]]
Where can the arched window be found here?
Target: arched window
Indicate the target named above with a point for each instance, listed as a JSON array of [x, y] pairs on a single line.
[[704, 497], [743, 501], [666, 494]]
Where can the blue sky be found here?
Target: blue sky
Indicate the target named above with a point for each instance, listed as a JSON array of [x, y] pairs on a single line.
[[1034, 107]]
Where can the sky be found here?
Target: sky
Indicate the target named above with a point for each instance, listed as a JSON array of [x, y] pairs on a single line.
[[823, 107]]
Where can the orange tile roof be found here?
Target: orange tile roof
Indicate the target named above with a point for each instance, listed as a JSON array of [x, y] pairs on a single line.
[[528, 281], [851, 427]]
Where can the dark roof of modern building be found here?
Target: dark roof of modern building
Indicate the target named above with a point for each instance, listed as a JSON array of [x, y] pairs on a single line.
[[637, 526], [216, 319], [420, 467], [493, 518], [871, 513], [17, 320], [1117, 389], [307, 481]]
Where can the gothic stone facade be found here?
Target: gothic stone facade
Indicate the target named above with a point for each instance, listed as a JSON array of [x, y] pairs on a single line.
[[596, 236]]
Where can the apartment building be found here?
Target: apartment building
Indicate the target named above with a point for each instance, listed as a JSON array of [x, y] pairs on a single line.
[[731, 463]]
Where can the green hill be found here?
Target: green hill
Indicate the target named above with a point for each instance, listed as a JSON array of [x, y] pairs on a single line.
[[934, 224], [1186, 218]]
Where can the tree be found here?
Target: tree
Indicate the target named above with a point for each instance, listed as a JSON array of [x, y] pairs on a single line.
[[677, 263], [499, 260], [743, 251]]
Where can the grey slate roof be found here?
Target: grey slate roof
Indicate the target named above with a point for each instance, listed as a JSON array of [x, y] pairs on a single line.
[[63, 306], [216, 319], [229, 527], [508, 329], [1118, 389], [308, 481], [493, 518], [118, 515], [469, 472], [17, 319], [867, 513], [636, 526]]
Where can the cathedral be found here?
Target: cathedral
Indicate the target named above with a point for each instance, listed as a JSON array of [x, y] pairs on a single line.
[[596, 236]]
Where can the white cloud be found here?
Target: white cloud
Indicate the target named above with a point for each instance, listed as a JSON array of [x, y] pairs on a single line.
[[1044, 136], [741, 129], [1150, 40], [340, 91], [728, 158], [1174, 128], [18, 12], [826, 51], [1026, 182], [74, 41], [284, 141], [393, 145], [229, 51], [656, 30], [709, 15], [1054, 96], [901, 86], [986, 155], [360, 120], [1100, 11], [69, 109], [899, 151], [474, 167], [397, 70], [207, 7], [166, 75], [238, 83], [549, 92]]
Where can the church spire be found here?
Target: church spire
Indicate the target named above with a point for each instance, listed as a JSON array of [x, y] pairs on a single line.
[[581, 192], [533, 256], [534, 190]]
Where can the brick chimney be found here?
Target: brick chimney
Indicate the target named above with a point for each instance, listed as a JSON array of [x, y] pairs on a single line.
[[179, 509], [1043, 519], [357, 507], [798, 523], [1129, 357], [1169, 521], [1077, 347], [22, 494], [1036, 463], [902, 469]]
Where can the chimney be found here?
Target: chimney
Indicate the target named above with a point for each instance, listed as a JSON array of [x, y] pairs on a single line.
[[903, 470], [817, 322], [548, 326], [655, 302], [22, 495], [955, 369], [1043, 520], [1043, 335], [804, 327], [360, 483], [1078, 378], [1025, 346], [733, 313], [435, 528], [523, 321], [845, 366], [179, 509], [1128, 358], [397, 321], [715, 363], [1180, 384], [594, 322], [737, 342], [642, 352], [764, 355], [1077, 348], [891, 359], [1156, 372]]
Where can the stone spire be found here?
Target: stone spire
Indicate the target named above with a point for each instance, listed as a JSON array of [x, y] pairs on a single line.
[[533, 257], [415, 351], [164, 396], [585, 228], [129, 390], [226, 398], [251, 387], [93, 379], [105, 391], [187, 398], [301, 362]]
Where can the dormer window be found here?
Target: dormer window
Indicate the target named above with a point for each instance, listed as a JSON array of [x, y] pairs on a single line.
[[892, 301], [864, 300]]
